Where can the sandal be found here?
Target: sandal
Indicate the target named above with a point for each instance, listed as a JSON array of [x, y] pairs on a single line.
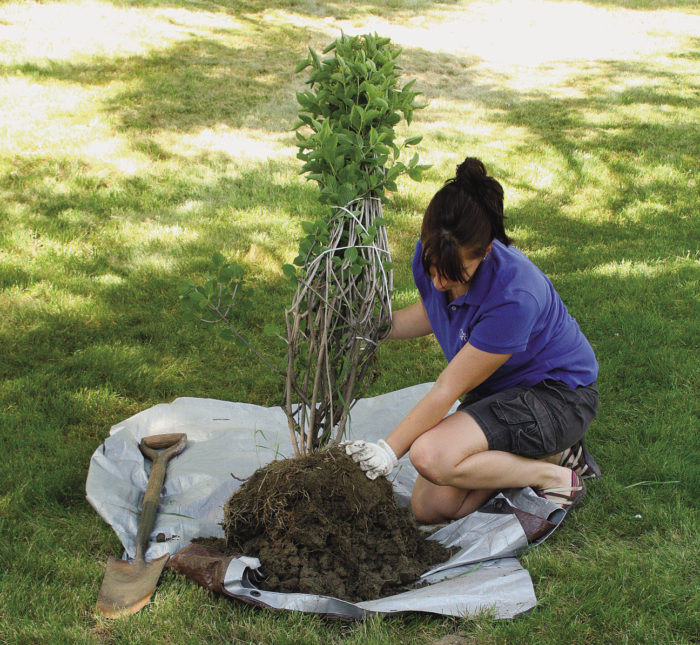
[[580, 461], [566, 496]]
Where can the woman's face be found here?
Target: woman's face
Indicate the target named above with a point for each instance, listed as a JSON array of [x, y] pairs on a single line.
[[470, 265]]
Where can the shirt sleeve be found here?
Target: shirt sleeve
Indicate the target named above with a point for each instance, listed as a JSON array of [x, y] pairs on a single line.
[[505, 328], [419, 277]]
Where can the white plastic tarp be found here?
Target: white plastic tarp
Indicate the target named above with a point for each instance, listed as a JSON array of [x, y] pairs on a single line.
[[226, 438]]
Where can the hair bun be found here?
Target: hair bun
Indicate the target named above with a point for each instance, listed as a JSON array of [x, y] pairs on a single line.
[[470, 172]]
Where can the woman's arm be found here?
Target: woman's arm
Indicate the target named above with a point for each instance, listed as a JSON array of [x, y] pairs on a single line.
[[469, 368], [410, 322]]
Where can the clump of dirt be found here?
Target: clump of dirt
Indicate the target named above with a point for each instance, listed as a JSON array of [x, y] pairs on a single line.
[[319, 526]]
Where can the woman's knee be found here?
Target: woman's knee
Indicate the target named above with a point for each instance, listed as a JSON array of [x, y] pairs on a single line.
[[428, 460], [438, 453]]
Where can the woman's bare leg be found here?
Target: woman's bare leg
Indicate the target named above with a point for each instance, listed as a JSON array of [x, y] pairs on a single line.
[[454, 456], [433, 504]]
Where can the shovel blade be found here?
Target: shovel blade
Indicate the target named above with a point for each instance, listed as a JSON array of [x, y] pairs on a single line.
[[128, 586]]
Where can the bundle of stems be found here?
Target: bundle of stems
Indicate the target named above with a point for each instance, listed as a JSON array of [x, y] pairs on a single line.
[[341, 307]]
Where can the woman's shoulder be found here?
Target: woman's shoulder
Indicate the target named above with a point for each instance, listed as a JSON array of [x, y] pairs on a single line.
[[514, 271]]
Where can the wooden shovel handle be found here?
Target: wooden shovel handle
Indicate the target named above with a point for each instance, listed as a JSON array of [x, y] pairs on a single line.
[[172, 445], [160, 441]]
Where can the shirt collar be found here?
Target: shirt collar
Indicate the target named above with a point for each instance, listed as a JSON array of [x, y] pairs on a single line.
[[481, 283]]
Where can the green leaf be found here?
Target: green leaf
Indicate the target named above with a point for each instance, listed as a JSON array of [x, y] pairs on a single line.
[[415, 173], [302, 100], [351, 254], [217, 259], [289, 270], [211, 287], [412, 141], [184, 287], [346, 194], [230, 272], [315, 57], [302, 65]]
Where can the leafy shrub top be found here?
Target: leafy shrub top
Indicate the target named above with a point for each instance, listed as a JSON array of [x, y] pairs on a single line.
[[351, 107]]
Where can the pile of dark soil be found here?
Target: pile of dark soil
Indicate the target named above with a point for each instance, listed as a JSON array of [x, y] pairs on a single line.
[[319, 526]]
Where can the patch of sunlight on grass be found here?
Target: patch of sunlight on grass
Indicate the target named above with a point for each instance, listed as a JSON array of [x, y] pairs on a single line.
[[109, 279], [404, 297], [261, 258], [89, 32], [639, 112], [20, 305], [153, 262], [62, 31], [538, 254], [234, 142], [190, 206], [77, 126], [468, 127], [516, 38], [627, 269], [540, 176], [524, 236], [149, 230], [446, 118], [637, 212]]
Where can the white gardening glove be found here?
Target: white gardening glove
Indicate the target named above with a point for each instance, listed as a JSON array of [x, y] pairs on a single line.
[[376, 459]]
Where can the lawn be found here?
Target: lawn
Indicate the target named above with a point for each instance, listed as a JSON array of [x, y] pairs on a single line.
[[139, 137]]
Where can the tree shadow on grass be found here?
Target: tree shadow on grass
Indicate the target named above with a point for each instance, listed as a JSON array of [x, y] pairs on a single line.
[[106, 263], [642, 5], [643, 149], [197, 83], [95, 332], [338, 9]]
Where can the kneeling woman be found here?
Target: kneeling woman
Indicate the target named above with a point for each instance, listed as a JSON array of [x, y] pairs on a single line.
[[527, 370]]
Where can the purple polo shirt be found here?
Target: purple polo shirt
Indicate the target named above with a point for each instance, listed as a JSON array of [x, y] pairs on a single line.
[[511, 307]]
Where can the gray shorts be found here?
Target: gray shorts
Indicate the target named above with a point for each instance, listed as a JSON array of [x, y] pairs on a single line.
[[534, 421]]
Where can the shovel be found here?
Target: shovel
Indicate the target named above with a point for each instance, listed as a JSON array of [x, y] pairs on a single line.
[[128, 586]]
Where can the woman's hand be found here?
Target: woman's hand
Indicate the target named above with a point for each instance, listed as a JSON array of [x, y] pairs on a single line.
[[376, 459], [469, 368]]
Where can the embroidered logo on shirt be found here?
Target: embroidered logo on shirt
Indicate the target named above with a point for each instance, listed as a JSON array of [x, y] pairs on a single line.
[[463, 338]]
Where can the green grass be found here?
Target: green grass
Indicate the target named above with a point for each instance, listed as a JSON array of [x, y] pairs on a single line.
[[137, 138]]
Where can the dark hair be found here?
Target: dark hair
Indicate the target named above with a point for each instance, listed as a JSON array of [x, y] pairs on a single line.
[[465, 214]]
